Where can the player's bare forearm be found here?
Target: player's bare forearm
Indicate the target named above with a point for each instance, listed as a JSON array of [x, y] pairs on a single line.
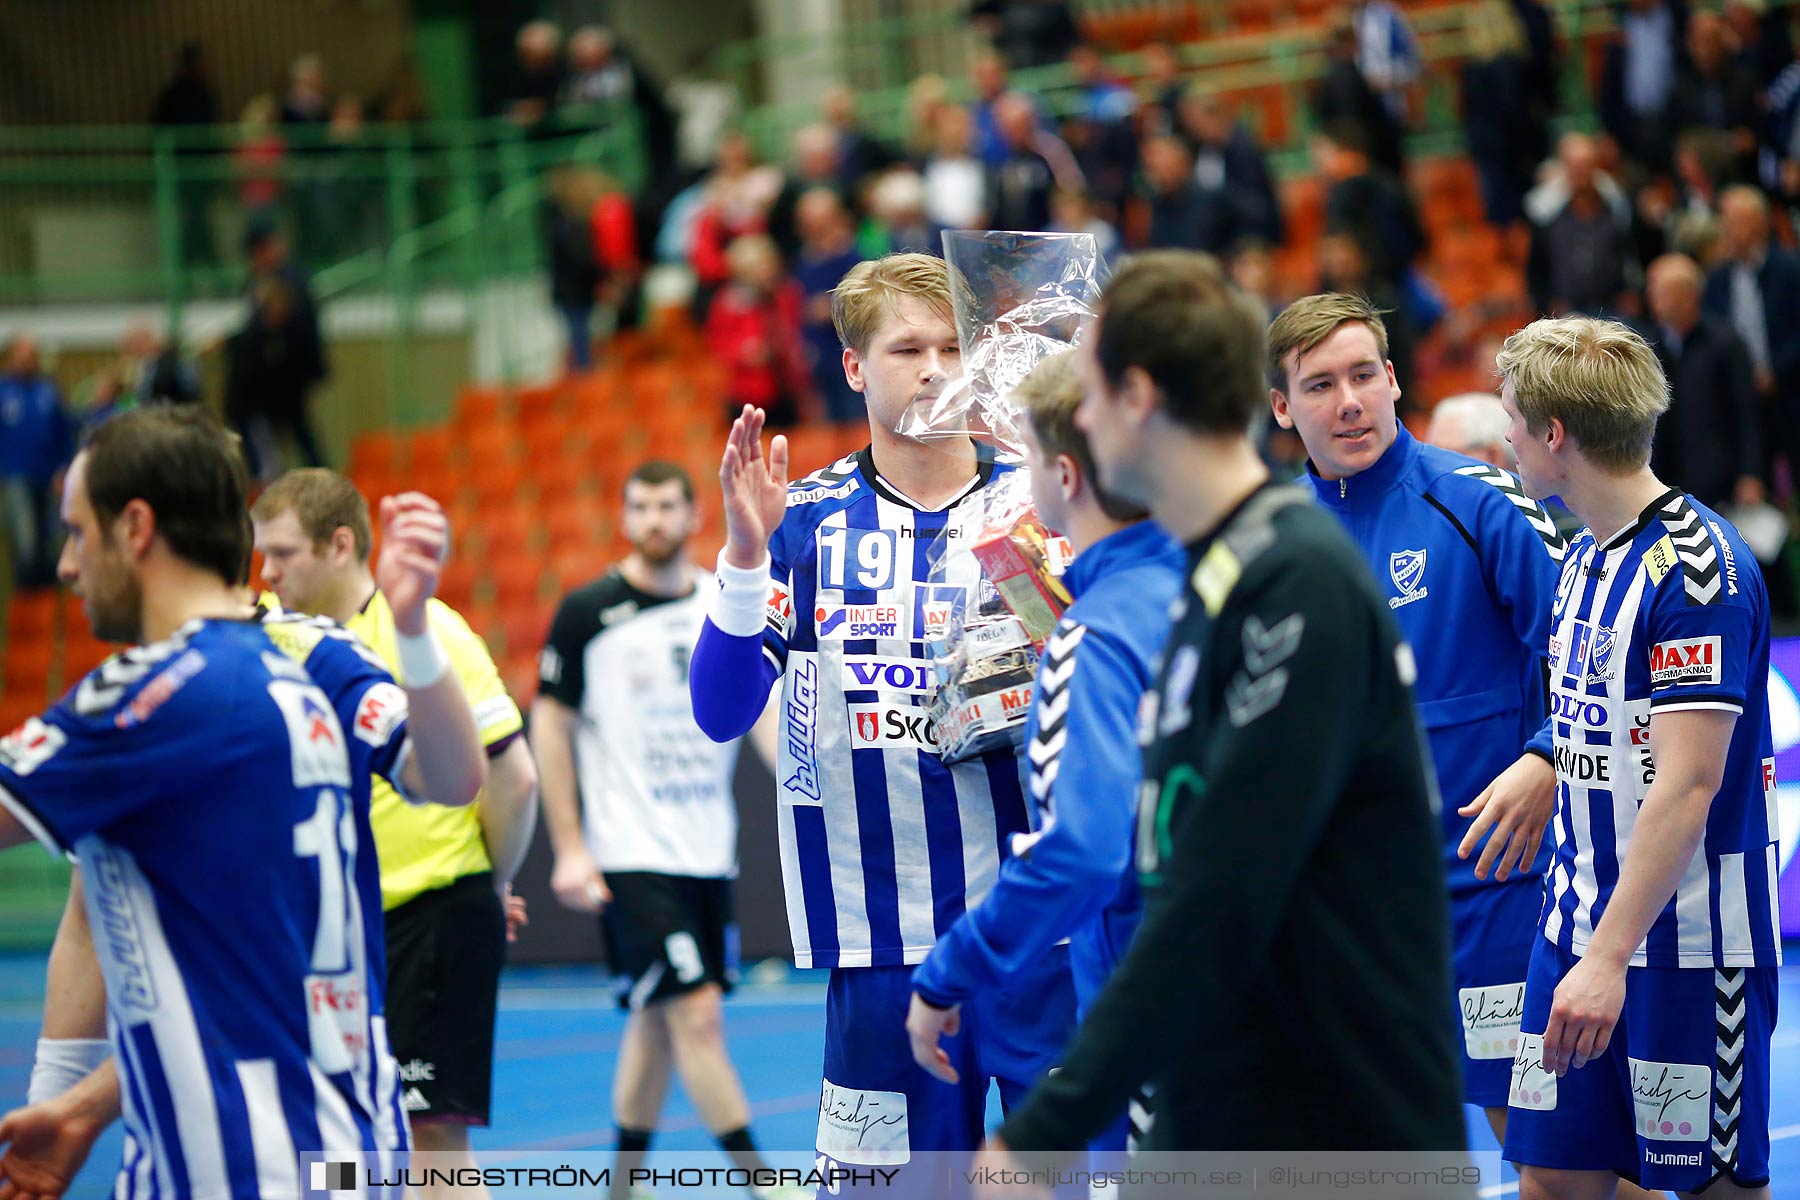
[[1689, 750], [554, 751], [74, 989], [448, 765], [509, 809]]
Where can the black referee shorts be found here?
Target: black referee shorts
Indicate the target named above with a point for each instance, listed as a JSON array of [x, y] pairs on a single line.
[[667, 935], [445, 950]]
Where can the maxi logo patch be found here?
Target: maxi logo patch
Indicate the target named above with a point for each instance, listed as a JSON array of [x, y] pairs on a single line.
[[1407, 569], [845, 622], [1691, 660]]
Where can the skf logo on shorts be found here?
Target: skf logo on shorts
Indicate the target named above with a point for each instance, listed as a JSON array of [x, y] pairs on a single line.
[[876, 726], [841, 622], [1695, 660], [334, 1177]]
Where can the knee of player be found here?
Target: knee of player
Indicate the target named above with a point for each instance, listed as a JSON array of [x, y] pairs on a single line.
[[696, 1017]]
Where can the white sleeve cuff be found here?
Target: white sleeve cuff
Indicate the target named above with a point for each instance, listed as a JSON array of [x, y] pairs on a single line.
[[740, 608], [62, 1063]]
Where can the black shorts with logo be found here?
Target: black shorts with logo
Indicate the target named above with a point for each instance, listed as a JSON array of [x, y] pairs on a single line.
[[445, 950], [668, 934]]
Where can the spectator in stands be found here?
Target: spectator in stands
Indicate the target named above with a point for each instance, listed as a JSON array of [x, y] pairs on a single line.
[[1183, 216], [350, 185], [1578, 156], [306, 102], [1702, 161], [987, 81], [270, 376], [1474, 424], [1709, 443], [277, 359], [1344, 266], [827, 252], [591, 232], [860, 153], [153, 372], [537, 74], [305, 113], [1637, 79], [1582, 259], [1782, 175], [1034, 163], [1162, 84], [1369, 204], [37, 441], [187, 103], [754, 328], [1757, 290], [736, 199], [1028, 33], [1343, 96], [1760, 38], [1229, 162], [1072, 212], [603, 72], [815, 160], [1100, 130], [257, 158], [1388, 54], [956, 181], [1542, 86], [1502, 127], [926, 97], [896, 223], [1252, 266], [1715, 90]]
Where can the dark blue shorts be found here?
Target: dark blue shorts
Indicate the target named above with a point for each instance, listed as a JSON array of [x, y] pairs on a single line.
[[1495, 930], [1679, 1099]]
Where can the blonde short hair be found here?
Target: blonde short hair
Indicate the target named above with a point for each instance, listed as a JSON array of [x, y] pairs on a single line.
[[868, 290], [1308, 321], [1599, 378], [1048, 397]]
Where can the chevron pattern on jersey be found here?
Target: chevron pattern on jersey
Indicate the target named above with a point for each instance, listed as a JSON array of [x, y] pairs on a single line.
[[1731, 1007], [1054, 672], [1693, 546], [1508, 485], [831, 476]]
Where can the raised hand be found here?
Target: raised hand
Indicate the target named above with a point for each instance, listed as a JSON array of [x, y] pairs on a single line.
[[755, 489], [415, 540], [46, 1146]]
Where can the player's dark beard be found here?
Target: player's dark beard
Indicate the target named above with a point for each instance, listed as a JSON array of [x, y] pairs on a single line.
[[657, 551], [115, 604]]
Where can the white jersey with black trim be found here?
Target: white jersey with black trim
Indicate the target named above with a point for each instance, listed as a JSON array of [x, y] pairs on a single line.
[[883, 845], [1670, 614], [655, 790]]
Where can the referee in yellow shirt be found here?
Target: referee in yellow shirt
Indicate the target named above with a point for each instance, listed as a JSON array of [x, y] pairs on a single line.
[[445, 872]]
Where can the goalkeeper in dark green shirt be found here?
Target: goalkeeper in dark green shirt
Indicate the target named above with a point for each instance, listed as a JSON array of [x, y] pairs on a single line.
[[1285, 991]]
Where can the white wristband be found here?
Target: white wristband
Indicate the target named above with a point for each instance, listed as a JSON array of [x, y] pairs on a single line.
[[422, 659], [740, 608], [62, 1063]]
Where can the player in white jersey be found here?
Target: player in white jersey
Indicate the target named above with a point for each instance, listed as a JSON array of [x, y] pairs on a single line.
[[827, 585], [639, 809], [203, 779], [1644, 1048]]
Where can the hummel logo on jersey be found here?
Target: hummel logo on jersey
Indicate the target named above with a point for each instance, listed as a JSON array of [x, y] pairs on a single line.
[[841, 622], [877, 726], [1407, 569], [1693, 661]]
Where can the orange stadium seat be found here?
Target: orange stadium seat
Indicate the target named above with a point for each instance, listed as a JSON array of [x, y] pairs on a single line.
[[520, 675], [27, 669], [487, 440], [539, 400], [574, 564], [429, 451], [16, 710], [526, 628], [499, 479], [504, 523], [81, 655], [581, 522], [377, 450], [31, 616], [476, 405], [456, 585], [518, 575]]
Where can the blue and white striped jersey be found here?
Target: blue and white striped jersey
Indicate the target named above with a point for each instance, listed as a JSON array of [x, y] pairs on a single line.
[[205, 785], [883, 846], [1669, 614]]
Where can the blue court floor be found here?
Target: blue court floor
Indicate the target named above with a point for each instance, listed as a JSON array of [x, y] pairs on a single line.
[[559, 1036]]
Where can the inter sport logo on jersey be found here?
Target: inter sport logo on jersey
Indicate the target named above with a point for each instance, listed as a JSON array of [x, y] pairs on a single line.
[[1695, 660], [842, 622], [878, 726]]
